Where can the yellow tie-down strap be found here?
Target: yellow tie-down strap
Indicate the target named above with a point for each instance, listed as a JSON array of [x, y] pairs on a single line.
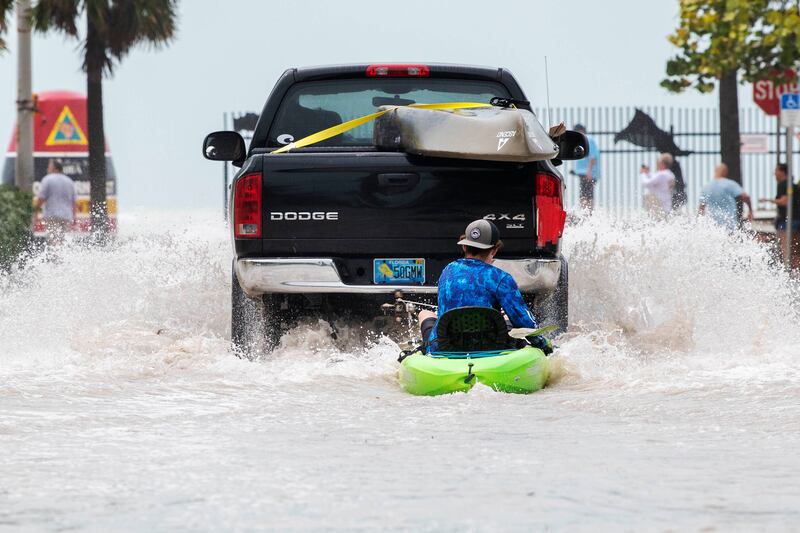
[[333, 131]]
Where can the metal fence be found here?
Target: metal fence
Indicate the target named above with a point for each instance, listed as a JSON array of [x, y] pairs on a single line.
[[619, 189]]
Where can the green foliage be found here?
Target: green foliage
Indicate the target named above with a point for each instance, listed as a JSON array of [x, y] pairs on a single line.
[[117, 25], [6, 8], [16, 212], [758, 38], [120, 24]]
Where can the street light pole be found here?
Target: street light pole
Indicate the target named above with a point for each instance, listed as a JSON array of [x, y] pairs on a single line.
[[789, 193], [24, 160]]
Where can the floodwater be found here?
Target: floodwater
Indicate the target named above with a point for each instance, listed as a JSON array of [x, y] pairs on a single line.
[[674, 405]]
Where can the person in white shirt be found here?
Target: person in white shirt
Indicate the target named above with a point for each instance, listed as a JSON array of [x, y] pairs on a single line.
[[658, 187], [56, 198]]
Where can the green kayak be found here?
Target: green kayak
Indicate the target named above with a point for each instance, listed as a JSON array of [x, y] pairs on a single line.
[[520, 371]]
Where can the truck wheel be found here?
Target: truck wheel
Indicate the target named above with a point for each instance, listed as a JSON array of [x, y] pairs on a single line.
[[554, 307], [277, 317], [247, 322]]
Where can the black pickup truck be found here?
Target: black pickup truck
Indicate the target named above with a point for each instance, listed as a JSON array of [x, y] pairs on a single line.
[[314, 228]]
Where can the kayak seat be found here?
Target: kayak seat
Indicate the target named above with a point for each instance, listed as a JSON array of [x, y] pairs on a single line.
[[472, 329]]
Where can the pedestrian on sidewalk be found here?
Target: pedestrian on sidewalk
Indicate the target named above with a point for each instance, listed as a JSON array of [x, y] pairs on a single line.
[[658, 186], [56, 198], [719, 197], [588, 171], [781, 201]]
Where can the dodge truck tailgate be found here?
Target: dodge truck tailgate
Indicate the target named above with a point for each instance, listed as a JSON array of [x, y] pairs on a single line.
[[385, 202]]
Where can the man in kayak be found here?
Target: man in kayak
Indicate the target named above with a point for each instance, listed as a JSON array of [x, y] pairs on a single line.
[[474, 282]]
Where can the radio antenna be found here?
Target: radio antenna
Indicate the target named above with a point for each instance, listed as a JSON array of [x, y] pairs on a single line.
[[547, 88]]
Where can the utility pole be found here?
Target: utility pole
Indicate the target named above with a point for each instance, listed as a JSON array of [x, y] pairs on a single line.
[[24, 160], [789, 191]]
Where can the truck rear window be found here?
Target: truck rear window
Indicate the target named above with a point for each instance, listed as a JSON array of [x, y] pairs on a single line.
[[316, 105]]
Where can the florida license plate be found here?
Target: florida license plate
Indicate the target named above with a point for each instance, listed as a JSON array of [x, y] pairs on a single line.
[[399, 271]]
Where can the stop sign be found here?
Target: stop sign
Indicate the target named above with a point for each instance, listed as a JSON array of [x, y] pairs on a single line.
[[767, 95]]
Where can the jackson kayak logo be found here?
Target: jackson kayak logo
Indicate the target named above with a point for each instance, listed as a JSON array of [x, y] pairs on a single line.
[[503, 137]]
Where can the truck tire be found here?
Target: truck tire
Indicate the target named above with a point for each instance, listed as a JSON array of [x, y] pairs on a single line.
[[277, 317], [257, 324], [553, 308], [246, 322]]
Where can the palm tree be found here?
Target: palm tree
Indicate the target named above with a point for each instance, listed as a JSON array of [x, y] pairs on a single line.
[[113, 28]]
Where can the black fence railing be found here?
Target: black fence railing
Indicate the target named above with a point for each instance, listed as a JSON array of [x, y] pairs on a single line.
[[695, 131]]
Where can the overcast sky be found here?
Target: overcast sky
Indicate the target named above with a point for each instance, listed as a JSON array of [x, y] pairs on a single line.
[[228, 54]]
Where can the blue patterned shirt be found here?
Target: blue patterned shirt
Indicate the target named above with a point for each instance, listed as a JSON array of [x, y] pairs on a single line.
[[473, 283]]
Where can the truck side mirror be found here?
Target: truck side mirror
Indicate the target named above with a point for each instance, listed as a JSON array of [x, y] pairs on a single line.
[[224, 146], [572, 145]]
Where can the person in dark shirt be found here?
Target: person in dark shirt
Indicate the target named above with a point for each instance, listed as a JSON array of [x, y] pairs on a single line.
[[474, 282], [781, 201]]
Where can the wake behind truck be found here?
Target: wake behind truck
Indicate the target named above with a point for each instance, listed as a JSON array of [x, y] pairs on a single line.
[[346, 224]]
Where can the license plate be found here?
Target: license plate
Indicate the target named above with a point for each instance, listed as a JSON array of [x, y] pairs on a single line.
[[399, 271]]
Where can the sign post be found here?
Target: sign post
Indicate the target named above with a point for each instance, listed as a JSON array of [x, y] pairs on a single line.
[[790, 118]]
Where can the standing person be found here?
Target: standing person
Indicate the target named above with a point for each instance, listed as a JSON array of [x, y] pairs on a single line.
[[474, 282], [659, 186], [588, 171], [781, 201], [719, 198], [56, 197]]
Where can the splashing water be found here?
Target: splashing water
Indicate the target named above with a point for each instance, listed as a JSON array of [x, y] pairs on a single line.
[[673, 402], [678, 294]]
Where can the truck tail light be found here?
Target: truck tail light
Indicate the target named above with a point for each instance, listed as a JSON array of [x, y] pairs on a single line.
[[398, 71], [247, 206], [550, 214]]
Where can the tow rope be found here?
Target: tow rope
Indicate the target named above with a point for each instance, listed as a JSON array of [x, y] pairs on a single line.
[[344, 127]]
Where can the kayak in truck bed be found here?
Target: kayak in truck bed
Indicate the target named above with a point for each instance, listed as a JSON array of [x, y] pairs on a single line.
[[518, 371], [490, 133]]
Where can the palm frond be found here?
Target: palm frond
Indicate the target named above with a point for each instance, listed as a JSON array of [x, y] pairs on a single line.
[[134, 22], [6, 8], [60, 15], [117, 25]]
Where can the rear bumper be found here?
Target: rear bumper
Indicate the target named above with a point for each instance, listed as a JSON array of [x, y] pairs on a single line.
[[320, 276]]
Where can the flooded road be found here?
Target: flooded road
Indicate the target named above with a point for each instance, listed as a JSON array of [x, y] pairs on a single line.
[[674, 405]]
